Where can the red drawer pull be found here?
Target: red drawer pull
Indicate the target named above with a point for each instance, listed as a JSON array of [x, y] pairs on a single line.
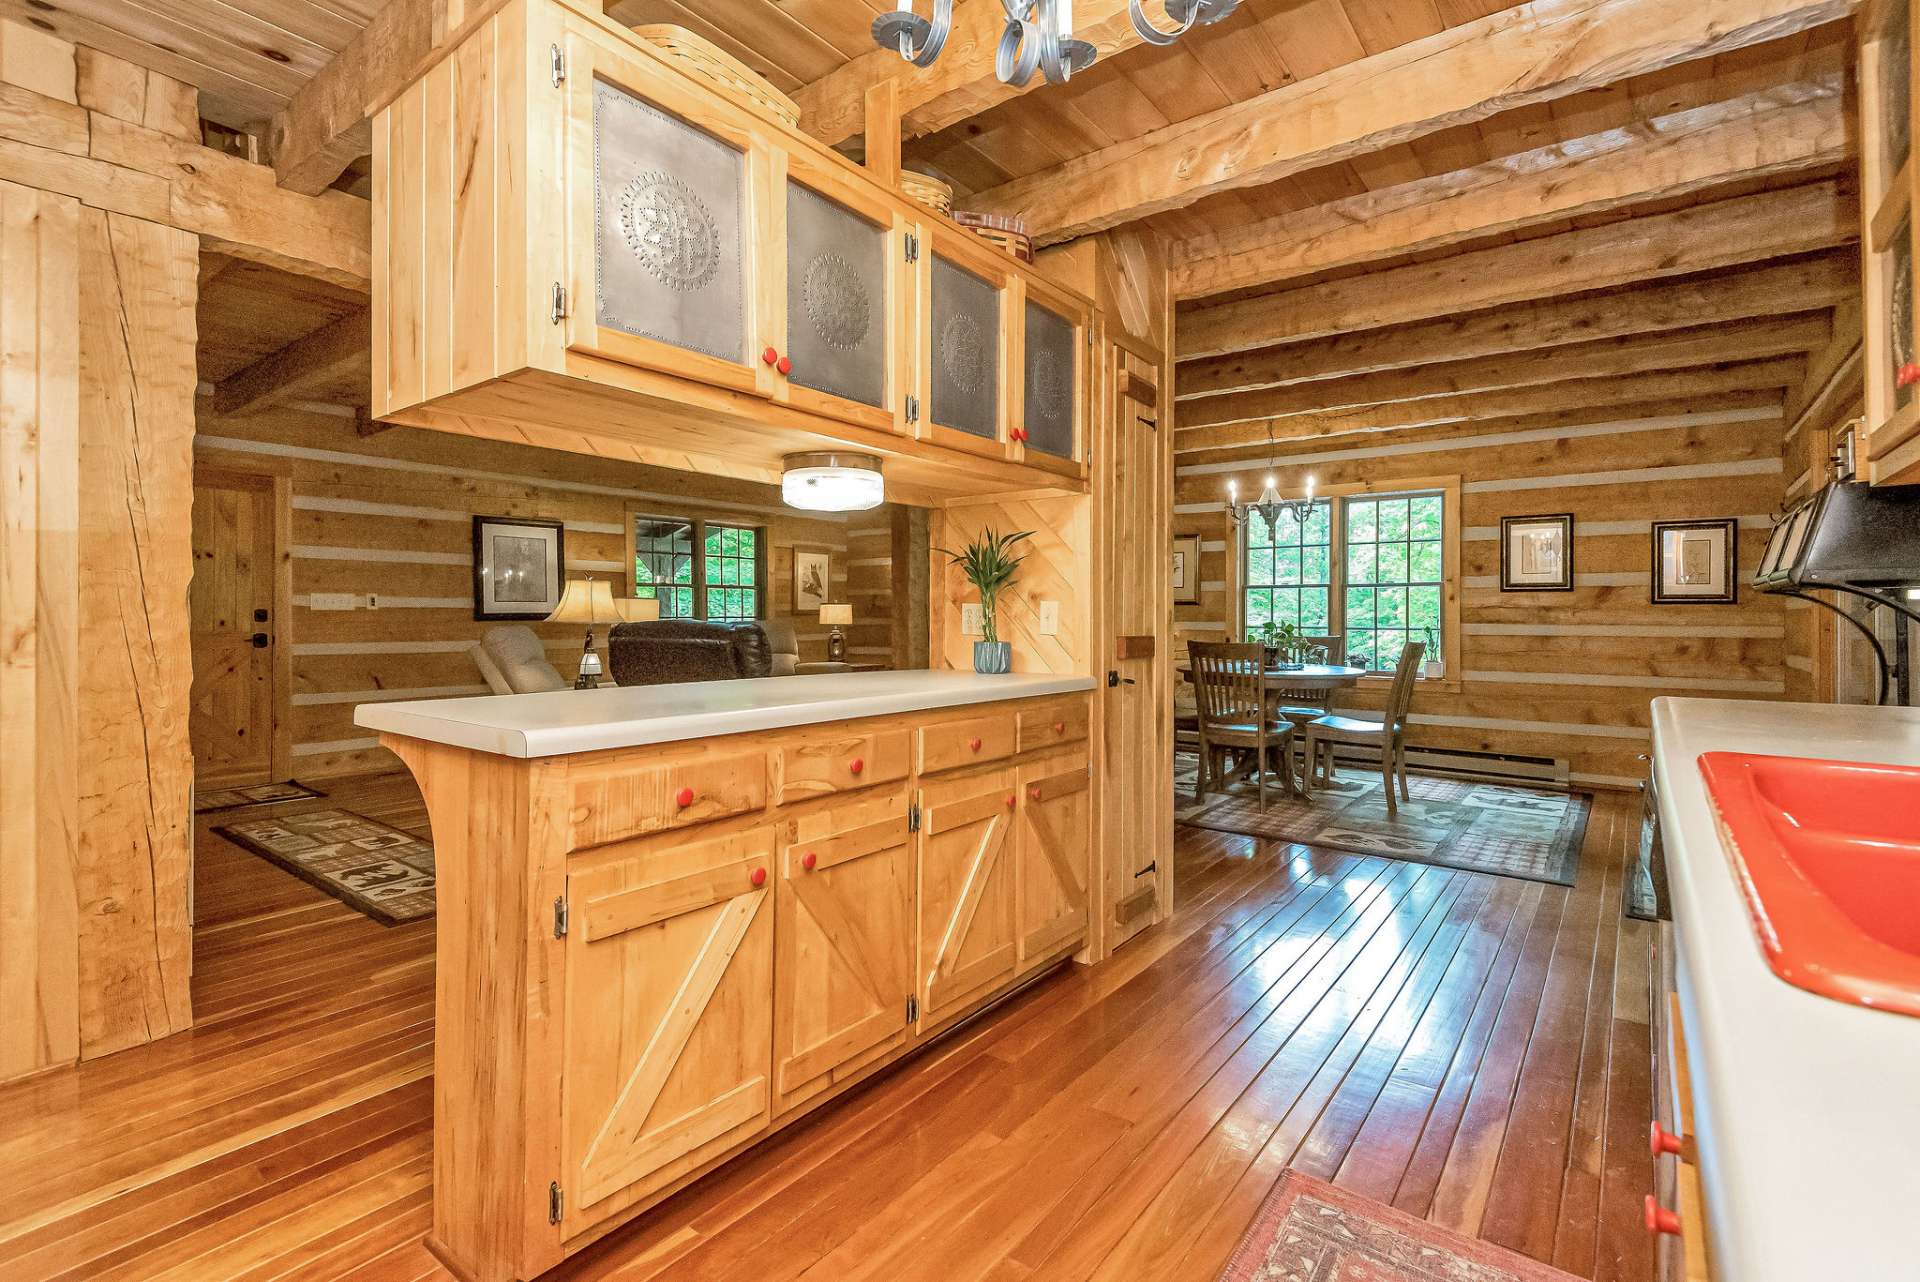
[[1059, 727], [683, 798], [1010, 800], [1033, 792], [785, 365], [855, 766], [1661, 1140], [808, 860], [769, 356], [1660, 1219], [974, 744], [758, 876], [1907, 376]]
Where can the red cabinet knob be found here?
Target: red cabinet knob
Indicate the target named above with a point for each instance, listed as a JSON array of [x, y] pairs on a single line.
[[770, 356], [786, 365], [973, 744], [1661, 1140], [1059, 727], [1033, 792], [808, 860], [1907, 376], [1010, 800], [855, 766], [683, 798], [1019, 433], [758, 876], [1660, 1219]]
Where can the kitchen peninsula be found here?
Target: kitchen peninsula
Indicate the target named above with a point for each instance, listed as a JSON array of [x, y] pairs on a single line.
[[674, 918]]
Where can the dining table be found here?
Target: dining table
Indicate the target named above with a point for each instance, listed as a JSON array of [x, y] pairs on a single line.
[[1277, 679]]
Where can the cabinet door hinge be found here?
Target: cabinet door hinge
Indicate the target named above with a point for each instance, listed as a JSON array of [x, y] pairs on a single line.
[[558, 66], [913, 817], [556, 1202], [558, 312], [913, 409], [913, 1009], [560, 917], [913, 248]]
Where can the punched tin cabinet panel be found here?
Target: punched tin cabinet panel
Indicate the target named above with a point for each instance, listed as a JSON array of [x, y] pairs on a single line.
[[836, 298], [965, 340], [1050, 362], [669, 201]]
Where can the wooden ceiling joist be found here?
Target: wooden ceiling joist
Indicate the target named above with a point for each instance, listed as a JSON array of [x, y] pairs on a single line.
[[1772, 290], [1769, 375], [1708, 345], [1747, 229], [329, 355], [1786, 129], [1534, 53]]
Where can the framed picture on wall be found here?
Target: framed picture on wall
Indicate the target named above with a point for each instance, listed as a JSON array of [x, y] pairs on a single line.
[[519, 567], [1693, 562], [812, 580], [1186, 570], [1536, 553]]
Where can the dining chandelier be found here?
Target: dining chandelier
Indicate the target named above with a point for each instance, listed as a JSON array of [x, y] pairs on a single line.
[[1269, 507], [1038, 35]]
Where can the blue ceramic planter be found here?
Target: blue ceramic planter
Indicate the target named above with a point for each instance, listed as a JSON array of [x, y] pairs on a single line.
[[993, 657]]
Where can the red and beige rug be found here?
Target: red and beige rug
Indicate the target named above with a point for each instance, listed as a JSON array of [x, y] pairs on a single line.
[[1310, 1231]]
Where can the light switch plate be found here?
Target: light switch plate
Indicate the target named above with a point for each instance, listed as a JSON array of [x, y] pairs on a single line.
[[332, 601], [1049, 618], [971, 623]]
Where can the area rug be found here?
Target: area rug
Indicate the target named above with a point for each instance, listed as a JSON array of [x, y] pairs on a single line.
[[366, 865], [260, 794], [1309, 1231], [1498, 828]]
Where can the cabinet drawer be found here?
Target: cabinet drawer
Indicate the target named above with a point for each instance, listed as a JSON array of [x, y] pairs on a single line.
[[1050, 724], [611, 801], [952, 744], [820, 767]]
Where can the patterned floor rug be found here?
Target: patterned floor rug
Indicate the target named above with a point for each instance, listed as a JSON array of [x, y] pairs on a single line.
[[259, 794], [366, 865], [1310, 1231], [1456, 823]]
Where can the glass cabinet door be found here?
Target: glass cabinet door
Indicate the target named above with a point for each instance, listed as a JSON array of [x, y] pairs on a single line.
[[1053, 369], [964, 351]]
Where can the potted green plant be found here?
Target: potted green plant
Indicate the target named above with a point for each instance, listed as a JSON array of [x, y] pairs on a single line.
[[989, 564], [1282, 640]]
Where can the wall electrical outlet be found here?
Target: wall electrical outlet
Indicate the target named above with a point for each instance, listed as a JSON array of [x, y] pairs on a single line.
[[373, 601], [332, 601], [971, 622], [1049, 618]]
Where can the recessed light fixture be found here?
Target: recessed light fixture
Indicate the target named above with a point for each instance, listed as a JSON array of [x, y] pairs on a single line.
[[827, 482]]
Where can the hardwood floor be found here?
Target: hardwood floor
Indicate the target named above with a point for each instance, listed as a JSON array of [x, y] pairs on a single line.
[[1470, 1048]]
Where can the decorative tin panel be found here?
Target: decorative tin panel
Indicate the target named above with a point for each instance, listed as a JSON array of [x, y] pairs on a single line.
[[1049, 382], [668, 202], [966, 351], [836, 298], [1896, 93], [1900, 309]]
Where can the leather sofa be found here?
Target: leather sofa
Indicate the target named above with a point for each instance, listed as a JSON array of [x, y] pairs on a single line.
[[663, 651]]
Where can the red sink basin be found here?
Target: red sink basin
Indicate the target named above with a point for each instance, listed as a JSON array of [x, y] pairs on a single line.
[[1827, 854]]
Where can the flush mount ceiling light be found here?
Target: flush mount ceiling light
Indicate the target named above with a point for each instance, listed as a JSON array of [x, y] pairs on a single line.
[[832, 482], [1038, 36]]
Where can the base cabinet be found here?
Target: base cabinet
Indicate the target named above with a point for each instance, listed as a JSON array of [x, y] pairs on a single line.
[[1052, 849], [967, 944], [669, 991]]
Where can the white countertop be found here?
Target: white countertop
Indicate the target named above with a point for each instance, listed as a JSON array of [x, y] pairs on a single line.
[[546, 725], [1806, 1110]]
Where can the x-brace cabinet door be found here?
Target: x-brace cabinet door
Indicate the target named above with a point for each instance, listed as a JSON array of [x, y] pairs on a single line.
[[967, 943], [1053, 844]]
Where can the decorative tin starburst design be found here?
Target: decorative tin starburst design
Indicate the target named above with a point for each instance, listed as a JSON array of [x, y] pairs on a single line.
[[1049, 391], [837, 302], [963, 353], [670, 230]]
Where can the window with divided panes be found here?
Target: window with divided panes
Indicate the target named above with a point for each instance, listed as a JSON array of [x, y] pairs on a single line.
[[700, 569]]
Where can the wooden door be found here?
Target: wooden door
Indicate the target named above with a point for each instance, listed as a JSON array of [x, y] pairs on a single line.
[[669, 1016], [234, 602], [843, 942], [967, 943], [1135, 501], [1052, 845]]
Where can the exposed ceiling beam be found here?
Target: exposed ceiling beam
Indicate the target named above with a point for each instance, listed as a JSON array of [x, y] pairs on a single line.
[[1788, 129], [1708, 345], [1769, 375], [1772, 290], [1723, 234], [328, 354], [960, 84], [324, 127], [1530, 54]]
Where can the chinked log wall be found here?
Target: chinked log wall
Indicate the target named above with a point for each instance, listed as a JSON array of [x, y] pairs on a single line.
[[392, 515], [1563, 674]]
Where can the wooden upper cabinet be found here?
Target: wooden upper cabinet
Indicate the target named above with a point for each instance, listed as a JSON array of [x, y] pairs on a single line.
[[1055, 377], [674, 214], [1888, 175], [669, 1021], [968, 342], [967, 938]]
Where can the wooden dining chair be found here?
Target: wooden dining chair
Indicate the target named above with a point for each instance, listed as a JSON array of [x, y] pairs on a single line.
[[1390, 732], [1233, 710]]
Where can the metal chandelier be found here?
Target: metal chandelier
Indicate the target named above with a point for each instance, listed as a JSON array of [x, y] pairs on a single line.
[[1038, 35]]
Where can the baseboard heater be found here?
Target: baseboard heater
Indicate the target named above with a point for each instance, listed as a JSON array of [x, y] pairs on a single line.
[[1497, 767]]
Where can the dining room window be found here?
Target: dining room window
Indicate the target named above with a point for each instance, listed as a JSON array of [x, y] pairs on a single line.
[[1369, 568], [700, 569]]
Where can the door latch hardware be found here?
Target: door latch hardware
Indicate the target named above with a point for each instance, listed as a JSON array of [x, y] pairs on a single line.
[[1149, 868], [261, 640], [1115, 679]]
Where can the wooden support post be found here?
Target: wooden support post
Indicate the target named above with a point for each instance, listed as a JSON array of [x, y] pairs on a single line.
[[883, 132]]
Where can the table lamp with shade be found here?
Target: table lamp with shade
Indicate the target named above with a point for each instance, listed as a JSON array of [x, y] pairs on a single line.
[[836, 617], [591, 602]]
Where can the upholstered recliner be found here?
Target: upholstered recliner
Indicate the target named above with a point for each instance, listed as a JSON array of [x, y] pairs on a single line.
[[786, 652], [663, 651], [514, 661]]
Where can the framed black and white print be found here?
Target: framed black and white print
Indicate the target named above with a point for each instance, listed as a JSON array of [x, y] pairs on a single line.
[[1186, 570], [1536, 553], [519, 567], [1693, 562]]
